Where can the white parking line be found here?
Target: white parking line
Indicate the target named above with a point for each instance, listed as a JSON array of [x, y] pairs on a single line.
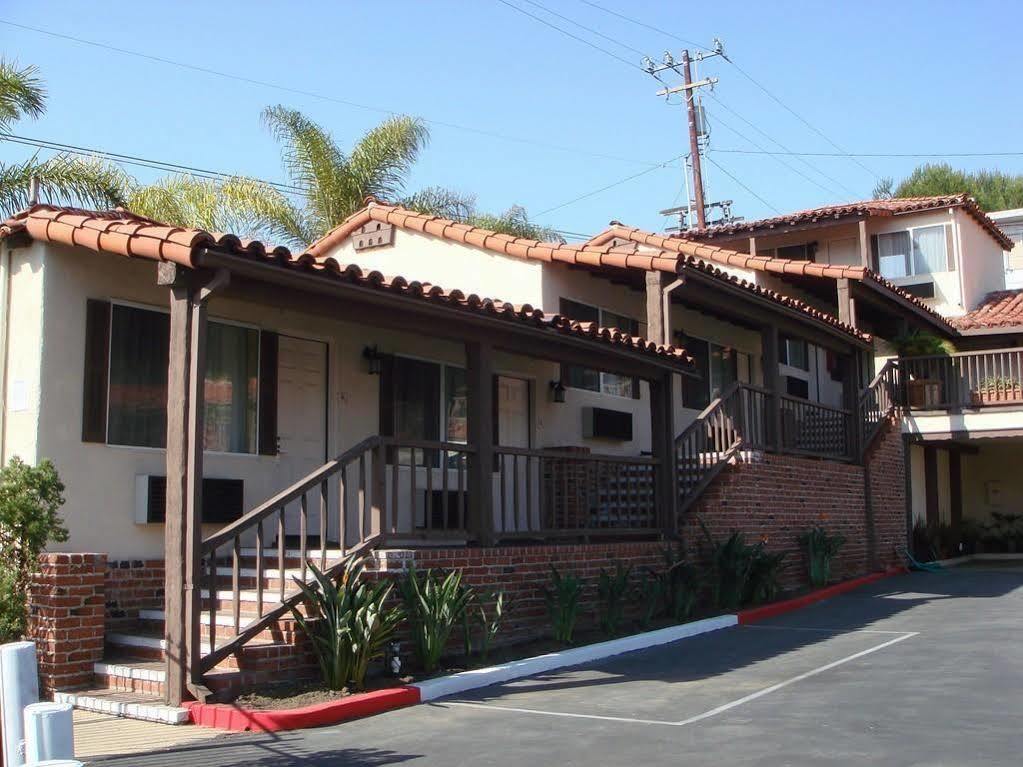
[[706, 714], [821, 629]]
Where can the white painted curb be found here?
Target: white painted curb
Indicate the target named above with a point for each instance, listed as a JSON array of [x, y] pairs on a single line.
[[431, 689]]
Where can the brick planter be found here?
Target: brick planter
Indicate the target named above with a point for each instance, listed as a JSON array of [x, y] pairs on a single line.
[[66, 618]]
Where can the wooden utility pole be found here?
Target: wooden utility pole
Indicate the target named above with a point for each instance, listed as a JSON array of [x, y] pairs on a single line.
[[694, 141]]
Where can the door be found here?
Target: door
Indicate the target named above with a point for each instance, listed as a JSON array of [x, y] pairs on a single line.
[[514, 428], [301, 415]]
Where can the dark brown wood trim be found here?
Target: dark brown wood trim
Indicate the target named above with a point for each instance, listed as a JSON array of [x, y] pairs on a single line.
[[269, 343], [97, 370], [479, 373], [955, 488], [931, 485]]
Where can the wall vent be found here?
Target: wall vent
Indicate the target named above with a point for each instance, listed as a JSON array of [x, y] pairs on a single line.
[[608, 424], [374, 234], [223, 500]]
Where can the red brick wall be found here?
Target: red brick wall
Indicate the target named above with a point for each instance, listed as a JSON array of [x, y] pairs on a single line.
[[522, 572], [66, 618], [132, 585], [775, 497]]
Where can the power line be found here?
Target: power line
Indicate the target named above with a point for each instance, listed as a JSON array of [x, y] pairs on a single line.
[[737, 181], [575, 37], [937, 155], [775, 141], [322, 96], [645, 26], [619, 182], [591, 30]]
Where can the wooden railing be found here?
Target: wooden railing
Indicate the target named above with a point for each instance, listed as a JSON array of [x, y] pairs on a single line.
[[381, 487], [559, 493], [815, 429], [736, 419], [963, 380], [878, 400]]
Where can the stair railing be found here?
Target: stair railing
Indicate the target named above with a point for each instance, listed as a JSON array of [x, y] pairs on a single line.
[[877, 402]]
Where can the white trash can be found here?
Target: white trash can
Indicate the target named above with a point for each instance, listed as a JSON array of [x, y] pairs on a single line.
[[49, 732], [19, 686]]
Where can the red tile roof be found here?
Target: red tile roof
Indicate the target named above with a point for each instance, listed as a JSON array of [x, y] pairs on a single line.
[[892, 207], [123, 233], [1000, 309], [779, 266], [605, 253]]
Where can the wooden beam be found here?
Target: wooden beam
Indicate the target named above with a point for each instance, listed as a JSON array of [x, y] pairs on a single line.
[[657, 324], [864, 242], [846, 303], [752, 245], [931, 484], [662, 440], [479, 364], [955, 489], [772, 382]]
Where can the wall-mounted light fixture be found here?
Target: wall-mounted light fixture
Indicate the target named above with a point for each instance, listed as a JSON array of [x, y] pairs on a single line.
[[373, 360], [558, 391]]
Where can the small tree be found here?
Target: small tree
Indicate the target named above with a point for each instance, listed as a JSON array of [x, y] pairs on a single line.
[[30, 499]]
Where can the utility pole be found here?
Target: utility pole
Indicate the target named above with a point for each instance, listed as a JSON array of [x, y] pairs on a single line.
[[694, 141], [695, 211]]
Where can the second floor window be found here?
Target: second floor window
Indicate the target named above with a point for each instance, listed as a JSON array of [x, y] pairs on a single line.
[[920, 251], [718, 367], [579, 377]]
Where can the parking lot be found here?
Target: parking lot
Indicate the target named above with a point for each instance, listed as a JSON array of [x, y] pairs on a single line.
[[920, 669]]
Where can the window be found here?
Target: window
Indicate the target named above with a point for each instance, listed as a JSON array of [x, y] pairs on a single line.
[[919, 251], [802, 252], [718, 367], [594, 380], [430, 403], [794, 353], [137, 410]]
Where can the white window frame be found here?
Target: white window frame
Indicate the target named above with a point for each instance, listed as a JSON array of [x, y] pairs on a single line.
[[442, 389], [711, 343], [114, 302], [600, 373], [911, 276]]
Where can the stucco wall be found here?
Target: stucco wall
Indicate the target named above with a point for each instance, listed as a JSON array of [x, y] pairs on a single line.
[[982, 259], [24, 339], [996, 462]]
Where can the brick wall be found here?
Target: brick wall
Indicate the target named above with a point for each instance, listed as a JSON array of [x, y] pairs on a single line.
[[775, 497], [66, 618], [132, 585], [521, 572]]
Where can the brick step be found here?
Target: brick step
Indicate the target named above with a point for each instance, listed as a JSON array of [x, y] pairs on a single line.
[[128, 675], [281, 631], [128, 705], [254, 655]]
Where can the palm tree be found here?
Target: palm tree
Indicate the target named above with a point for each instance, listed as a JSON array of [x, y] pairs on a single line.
[[62, 178], [330, 185]]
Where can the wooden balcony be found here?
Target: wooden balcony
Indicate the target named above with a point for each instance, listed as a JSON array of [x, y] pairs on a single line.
[[963, 380]]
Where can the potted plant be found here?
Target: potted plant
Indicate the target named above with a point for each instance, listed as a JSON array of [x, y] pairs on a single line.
[[996, 389], [922, 389]]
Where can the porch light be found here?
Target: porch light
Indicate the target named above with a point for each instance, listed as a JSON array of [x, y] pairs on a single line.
[[558, 391], [372, 357]]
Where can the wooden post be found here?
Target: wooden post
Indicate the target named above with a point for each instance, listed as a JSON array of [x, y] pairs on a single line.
[[772, 382], [846, 303], [657, 324], [177, 485], [752, 246], [480, 411], [662, 446], [864, 242], [851, 399], [378, 491]]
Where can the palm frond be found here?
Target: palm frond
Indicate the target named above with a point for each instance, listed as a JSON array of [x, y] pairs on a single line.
[[315, 164], [382, 159], [438, 201], [21, 93], [63, 180], [515, 221]]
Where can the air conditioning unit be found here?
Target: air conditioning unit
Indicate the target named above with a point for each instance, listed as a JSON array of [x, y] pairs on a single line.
[[223, 500], [607, 424]]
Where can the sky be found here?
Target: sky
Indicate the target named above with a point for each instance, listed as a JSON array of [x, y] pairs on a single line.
[[520, 113]]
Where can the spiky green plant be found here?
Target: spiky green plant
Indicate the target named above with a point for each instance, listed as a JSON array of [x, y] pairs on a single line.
[[764, 581], [612, 590], [731, 561], [650, 594], [348, 623], [489, 621], [562, 598], [821, 548], [435, 603]]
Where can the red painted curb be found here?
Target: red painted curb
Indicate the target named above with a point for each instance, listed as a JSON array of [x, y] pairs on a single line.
[[778, 608], [227, 717]]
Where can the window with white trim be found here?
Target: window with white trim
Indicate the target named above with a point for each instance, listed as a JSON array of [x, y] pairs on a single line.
[[579, 377], [918, 251], [430, 403], [718, 367]]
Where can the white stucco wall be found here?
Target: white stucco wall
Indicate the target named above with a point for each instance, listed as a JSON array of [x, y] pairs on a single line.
[[997, 462], [24, 340], [983, 263]]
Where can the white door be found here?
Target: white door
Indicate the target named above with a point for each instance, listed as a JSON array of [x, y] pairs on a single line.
[[513, 430], [512, 412], [301, 417]]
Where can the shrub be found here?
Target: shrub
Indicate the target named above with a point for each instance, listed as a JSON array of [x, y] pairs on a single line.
[[612, 589], [562, 598], [489, 623], [347, 623], [764, 581], [435, 606], [730, 564], [821, 549], [650, 593], [30, 499], [681, 585]]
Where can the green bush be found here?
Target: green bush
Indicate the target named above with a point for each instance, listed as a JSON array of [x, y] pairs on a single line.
[[650, 594], [348, 623], [562, 598], [764, 581], [731, 562], [682, 584], [435, 606], [821, 549], [612, 590], [30, 499], [489, 623]]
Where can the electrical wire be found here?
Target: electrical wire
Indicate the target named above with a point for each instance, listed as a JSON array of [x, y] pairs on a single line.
[[645, 26], [322, 96], [619, 182], [933, 155], [717, 165], [591, 30]]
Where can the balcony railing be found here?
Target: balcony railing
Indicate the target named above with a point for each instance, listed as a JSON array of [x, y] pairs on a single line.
[[962, 380], [811, 428]]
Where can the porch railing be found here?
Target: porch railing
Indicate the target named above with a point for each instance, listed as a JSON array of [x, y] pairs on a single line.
[[878, 400], [815, 429], [559, 493], [963, 380]]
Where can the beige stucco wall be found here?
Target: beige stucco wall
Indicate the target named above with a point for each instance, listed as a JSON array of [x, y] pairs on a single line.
[[24, 339], [997, 461], [983, 261]]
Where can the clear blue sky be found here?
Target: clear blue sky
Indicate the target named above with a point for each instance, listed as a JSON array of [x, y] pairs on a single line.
[[873, 76]]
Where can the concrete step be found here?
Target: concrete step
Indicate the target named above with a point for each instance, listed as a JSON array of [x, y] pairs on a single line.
[[284, 630], [129, 705], [128, 675], [257, 654]]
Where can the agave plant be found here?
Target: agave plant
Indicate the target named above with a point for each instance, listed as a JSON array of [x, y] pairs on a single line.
[[821, 548], [562, 598], [435, 604], [612, 589], [347, 623], [764, 582]]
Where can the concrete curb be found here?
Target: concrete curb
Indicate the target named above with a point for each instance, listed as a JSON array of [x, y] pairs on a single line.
[[431, 689]]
